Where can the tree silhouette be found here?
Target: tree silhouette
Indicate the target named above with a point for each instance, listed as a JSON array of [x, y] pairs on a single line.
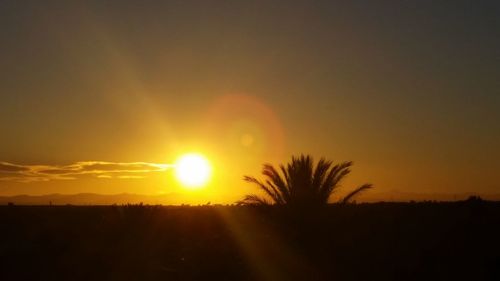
[[300, 183]]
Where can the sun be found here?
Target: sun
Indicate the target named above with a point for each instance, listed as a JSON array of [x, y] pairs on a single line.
[[193, 170]]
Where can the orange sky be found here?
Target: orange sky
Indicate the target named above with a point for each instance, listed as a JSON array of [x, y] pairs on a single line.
[[408, 91]]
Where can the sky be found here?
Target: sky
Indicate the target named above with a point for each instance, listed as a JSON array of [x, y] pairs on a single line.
[[104, 96]]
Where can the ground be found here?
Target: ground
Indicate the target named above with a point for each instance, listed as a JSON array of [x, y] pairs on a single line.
[[382, 241]]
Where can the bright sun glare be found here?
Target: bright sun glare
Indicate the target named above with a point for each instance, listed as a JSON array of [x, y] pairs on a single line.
[[193, 170]]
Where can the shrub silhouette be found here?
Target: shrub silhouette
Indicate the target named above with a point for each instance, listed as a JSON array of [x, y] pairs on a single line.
[[300, 183]]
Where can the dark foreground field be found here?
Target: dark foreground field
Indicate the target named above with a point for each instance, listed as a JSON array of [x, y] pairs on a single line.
[[384, 241]]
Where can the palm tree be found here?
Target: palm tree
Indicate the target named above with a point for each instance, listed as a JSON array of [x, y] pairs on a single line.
[[299, 183]]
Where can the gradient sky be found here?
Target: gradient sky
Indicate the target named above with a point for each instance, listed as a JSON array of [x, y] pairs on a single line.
[[408, 90]]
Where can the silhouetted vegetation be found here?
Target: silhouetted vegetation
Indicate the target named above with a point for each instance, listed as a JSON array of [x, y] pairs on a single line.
[[382, 241], [301, 184]]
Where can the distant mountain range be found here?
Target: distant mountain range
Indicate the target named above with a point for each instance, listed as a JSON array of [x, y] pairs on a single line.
[[90, 199], [175, 198]]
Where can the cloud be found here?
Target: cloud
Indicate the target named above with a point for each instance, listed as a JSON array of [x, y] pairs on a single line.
[[11, 168], [96, 169]]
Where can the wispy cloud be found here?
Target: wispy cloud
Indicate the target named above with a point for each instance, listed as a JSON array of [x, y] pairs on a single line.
[[97, 169]]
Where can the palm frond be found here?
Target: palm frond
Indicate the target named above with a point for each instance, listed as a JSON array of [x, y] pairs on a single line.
[[332, 180], [278, 198], [355, 192], [277, 181], [269, 190], [320, 173], [253, 199], [301, 173]]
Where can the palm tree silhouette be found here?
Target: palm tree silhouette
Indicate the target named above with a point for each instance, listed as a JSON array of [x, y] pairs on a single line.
[[300, 183]]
